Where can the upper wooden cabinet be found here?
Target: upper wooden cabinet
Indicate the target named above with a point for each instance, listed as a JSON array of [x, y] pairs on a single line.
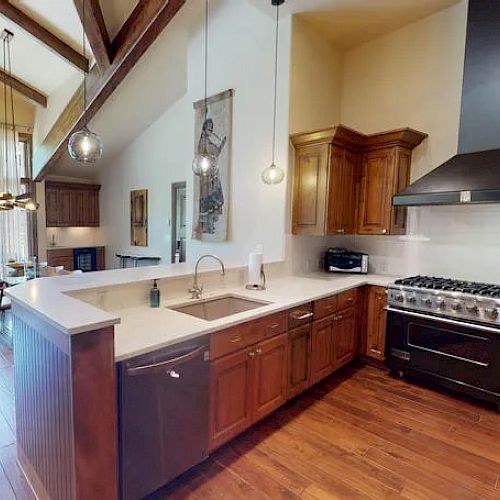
[[325, 178], [344, 181], [71, 204]]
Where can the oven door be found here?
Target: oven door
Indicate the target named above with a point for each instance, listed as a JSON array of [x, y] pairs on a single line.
[[461, 352]]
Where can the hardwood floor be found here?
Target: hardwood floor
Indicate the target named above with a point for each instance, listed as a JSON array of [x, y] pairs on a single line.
[[359, 434], [13, 485]]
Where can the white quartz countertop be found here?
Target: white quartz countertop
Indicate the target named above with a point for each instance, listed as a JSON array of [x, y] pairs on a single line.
[[140, 329], [143, 329]]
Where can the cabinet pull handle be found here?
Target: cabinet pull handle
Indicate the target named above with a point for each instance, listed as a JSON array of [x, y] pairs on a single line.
[[299, 315], [349, 299], [384, 231], [258, 351], [341, 231], [235, 339], [274, 326], [251, 354]]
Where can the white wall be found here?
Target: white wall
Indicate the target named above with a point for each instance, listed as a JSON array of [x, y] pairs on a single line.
[[241, 57], [315, 85]]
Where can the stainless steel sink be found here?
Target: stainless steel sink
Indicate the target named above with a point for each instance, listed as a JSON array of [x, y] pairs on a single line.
[[219, 307]]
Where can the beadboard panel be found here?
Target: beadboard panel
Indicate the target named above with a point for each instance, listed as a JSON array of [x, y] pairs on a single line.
[[44, 410]]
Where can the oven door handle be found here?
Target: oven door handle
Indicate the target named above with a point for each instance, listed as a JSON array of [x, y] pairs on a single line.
[[445, 320]]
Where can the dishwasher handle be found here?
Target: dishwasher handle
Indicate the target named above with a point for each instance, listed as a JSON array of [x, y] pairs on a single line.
[[166, 365]]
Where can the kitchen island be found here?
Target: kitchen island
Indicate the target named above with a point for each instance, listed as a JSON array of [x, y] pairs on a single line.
[[70, 332]]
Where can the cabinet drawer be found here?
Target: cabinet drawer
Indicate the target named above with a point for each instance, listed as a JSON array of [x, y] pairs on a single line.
[[300, 316], [60, 253], [347, 299], [231, 340], [325, 307], [269, 326]]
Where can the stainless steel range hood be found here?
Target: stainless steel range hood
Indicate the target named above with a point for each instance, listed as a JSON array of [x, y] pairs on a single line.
[[473, 175]]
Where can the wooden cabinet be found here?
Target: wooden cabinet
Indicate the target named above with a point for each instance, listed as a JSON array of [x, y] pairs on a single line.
[[60, 257], [230, 396], [71, 204], [376, 317], [325, 179], [299, 360], [345, 337], [270, 375], [344, 181], [246, 386], [322, 354]]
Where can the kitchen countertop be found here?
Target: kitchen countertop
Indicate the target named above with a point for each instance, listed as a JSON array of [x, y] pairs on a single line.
[[140, 329]]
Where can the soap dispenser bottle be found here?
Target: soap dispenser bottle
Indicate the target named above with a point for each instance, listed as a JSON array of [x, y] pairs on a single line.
[[154, 295]]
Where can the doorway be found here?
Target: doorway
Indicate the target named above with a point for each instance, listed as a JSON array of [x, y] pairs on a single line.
[[178, 236]]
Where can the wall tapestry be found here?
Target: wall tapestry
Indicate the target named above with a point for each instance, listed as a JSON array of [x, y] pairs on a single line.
[[139, 218], [211, 192]]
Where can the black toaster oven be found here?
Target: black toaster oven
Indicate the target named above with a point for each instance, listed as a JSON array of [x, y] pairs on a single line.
[[340, 260]]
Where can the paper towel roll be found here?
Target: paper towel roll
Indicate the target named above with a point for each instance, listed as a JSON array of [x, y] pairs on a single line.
[[255, 261]]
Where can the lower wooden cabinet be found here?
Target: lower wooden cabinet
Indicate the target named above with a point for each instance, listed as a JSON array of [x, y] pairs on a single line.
[[269, 376], [376, 322], [245, 387], [322, 353], [299, 360], [230, 396], [345, 337]]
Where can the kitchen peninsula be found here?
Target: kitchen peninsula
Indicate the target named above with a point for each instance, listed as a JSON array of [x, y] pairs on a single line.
[[73, 331]]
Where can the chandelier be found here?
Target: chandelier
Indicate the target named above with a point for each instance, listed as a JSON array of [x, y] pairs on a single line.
[[10, 201]]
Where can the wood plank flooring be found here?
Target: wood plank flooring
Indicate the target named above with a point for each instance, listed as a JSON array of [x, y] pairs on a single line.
[[360, 434]]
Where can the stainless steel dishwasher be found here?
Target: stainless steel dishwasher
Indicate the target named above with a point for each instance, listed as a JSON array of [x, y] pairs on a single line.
[[163, 416]]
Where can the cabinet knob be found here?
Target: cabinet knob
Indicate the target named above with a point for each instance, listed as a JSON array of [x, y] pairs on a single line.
[[251, 354], [384, 231], [341, 231], [258, 351]]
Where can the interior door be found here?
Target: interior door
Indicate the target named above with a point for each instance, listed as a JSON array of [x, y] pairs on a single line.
[[310, 188], [270, 376], [375, 192]]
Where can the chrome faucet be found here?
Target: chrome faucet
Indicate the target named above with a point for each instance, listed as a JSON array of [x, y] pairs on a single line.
[[196, 290]]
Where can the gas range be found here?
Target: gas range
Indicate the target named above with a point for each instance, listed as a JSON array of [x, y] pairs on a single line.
[[455, 299]]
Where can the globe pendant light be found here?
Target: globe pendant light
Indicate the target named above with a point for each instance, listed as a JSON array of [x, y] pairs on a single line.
[[274, 174], [204, 162], [9, 201], [84, 145]]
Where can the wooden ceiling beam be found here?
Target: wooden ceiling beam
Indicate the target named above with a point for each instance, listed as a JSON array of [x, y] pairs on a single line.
[[23, 89], [138, 33], [95, 29], [44, 35]]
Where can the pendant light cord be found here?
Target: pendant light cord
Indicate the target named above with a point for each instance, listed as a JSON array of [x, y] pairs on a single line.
[[85, 57], [206, 59], [5, 104], [12, 109], [275, 84]]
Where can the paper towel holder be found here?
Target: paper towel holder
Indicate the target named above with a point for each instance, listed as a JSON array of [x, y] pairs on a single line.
[[260, 286]]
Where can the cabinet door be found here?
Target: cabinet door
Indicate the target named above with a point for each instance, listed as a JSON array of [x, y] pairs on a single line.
[[230, 396], [376, 192], [51, 207], [92, 208], [344, 337], [322, 353], [64, 207], [401, 179], [269, 376], [376, 322], [299, 352], [310, 186], [342, 192], [77, 208]]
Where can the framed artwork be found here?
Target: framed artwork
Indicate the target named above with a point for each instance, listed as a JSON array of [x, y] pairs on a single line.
[[211, 192], [139, 218]]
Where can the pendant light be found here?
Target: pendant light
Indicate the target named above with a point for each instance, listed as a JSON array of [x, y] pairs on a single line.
[[84, 145], [9, 201], [204, 162], [274, 174]]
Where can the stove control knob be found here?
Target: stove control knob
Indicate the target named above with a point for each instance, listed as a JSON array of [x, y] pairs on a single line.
[[441, 304], [456, 306], [428, 302], [472, 308], [399, 298], [412, 299], [492, 312]]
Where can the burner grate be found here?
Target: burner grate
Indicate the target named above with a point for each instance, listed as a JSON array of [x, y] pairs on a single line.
[[447, 284]]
